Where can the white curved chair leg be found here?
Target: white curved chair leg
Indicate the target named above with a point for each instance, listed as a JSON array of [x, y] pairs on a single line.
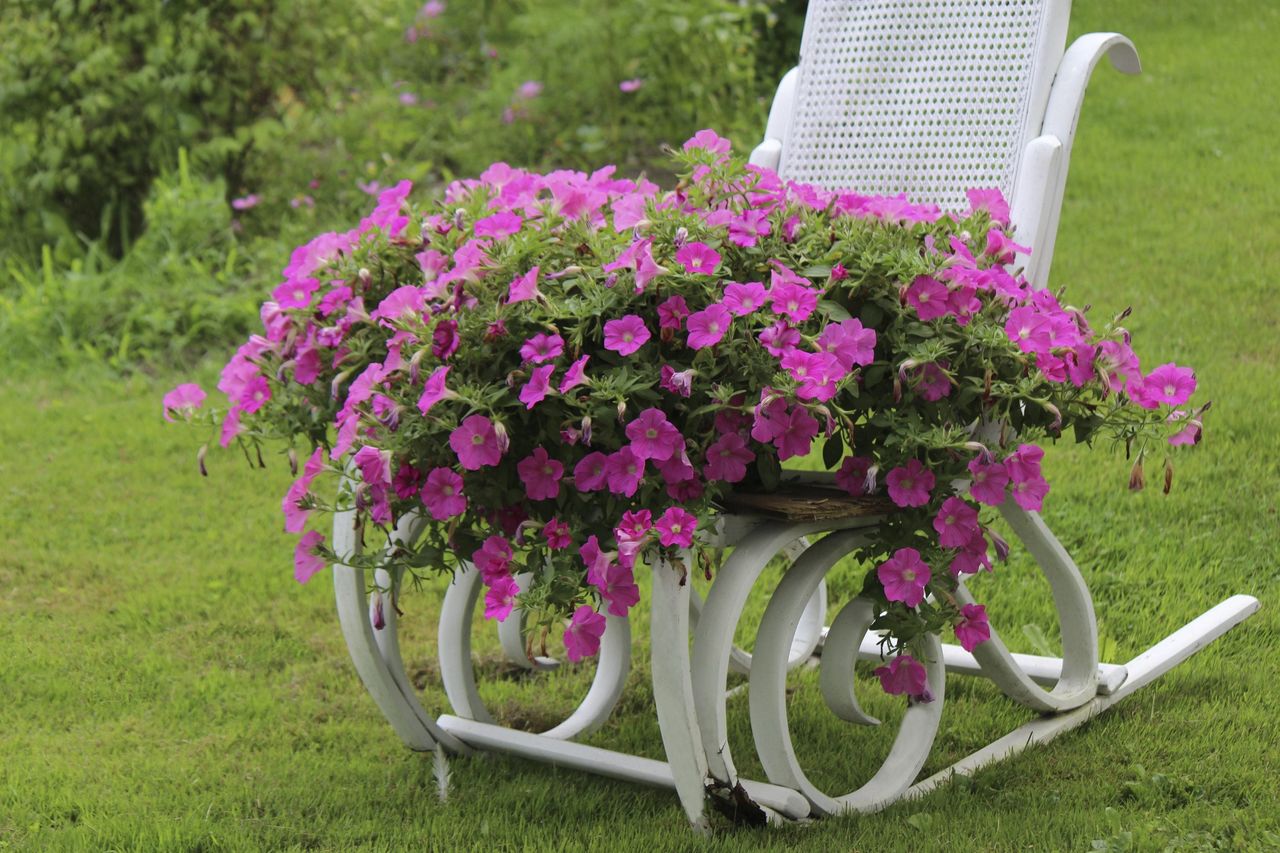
[[673, 689], [458, 672], [402, 709], [1079, 681], [769, 693]]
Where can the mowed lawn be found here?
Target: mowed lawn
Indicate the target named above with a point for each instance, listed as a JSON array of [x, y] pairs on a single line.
[[164, 683]]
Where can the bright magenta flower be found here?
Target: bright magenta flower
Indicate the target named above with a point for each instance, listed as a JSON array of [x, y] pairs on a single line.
[[677, 382], [255, 394], [1027, 484], [631, 85], [728, 458], [625, 335], [988, 483], [596, 559], [796, 434], [493, 559], [849, 342], [556, 532], [904, 576], [442, 494], [793, 301], [932, 382], [500, 599], [910, 486], [905, 675], [295, 517], [306, 560], [523, 287], [709, 140], [708, 327], [672, 312], [992, 201], [676, 527], [744, 299], [582, 637], [748, 227], [539, 384], [541, 475], [404, 304], [498, 225], [631, 532], [975, 629], [183, 401], [652, 436], [576, 375], [542, 347], [619, 589], [956, 523], [780, 338], [435, 389], [1168, 384], [698, 258], [929, 297], [624, 471], [852, 476], [591, 472], [476, 443]]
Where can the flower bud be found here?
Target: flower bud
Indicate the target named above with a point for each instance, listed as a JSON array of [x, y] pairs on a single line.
[[1168, 475], [366, 277], [642, 226], [622, 410], [293, 461], [998, 542], [681, 237], [1137, 480], [504, 440], [459, 217], [586, 430], [378, 618], [200, 455]]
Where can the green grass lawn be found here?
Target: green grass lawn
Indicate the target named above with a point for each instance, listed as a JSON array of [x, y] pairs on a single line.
[[164, 684]]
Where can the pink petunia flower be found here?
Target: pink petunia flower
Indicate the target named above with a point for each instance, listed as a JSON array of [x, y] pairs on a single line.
[[442, 494], [905, 675], [652, 436], [582, 637], [849, 342], [538, 386], [523, 287], [306, 559], [493, 559], [498, 225], [183, 401], [708, 327], [632, 85], [698, 258], [904, 577], [956, 523], [992, 201], [975, 629], [591, 472], [676, 527], [988, 483], [624, 471], [932, 382], [677, 382], [631, 532], [816, 374], [793, 301], [728, 458], [246, 202], [541, 475], [556, 532], [748, 227], [1026, 482], [444, 339], [744, 299], [625, 335], [780, 338], [407, 482], [576, 375], [256, 393], [435, 390], [972, 556], [295, 517], [619, 589], [708, 139], [852, 476], [597, 560], [1168, 384], [672, 313], [500, 599], [542, 347], [910, 485], [929, 297], [475, 441], [796, 434]]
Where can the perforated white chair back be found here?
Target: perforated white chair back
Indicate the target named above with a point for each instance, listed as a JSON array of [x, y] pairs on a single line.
[[926, 97]]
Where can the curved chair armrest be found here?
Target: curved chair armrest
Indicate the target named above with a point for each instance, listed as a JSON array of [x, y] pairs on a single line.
[[769, 152], [1060, 119]]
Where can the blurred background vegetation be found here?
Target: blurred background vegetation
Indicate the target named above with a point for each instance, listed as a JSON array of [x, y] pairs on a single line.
[[158, 160]]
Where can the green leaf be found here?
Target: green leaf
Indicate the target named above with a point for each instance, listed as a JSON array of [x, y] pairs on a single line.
[[769, 470], [832, 451], [833, 310]]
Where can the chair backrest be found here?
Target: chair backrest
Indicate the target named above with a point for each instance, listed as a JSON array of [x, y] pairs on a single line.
[[926, 97]]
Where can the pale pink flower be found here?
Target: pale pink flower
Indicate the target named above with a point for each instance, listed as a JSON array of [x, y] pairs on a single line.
[[728, 458], [500, 599], [991, 200], [956, 523], [988, 482], [975, 629], [183, 401], [246, 202], [529, 90], [542, 347], [541, 475], [476, 443], [631, 532], [576, 375], [652, 436], [905, 675], [708, 327], [619, 589], [306, 558], [539, 384], [743, 299], [631, 85], [709, 140], [904, 577], [793, 301], [432, 9], [677, 382], [929, 297], [676, 527], [582, 637], [910, 485], [698, 258], [499, 225], [442, 494], [404, 304], [852, 476], [523, 287], [748, 227], [624, 471], [591, 472], [556, 532], [849, 342], [625, 335]]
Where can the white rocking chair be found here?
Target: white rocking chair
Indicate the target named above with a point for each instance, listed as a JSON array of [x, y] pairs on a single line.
[[919, 96]]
